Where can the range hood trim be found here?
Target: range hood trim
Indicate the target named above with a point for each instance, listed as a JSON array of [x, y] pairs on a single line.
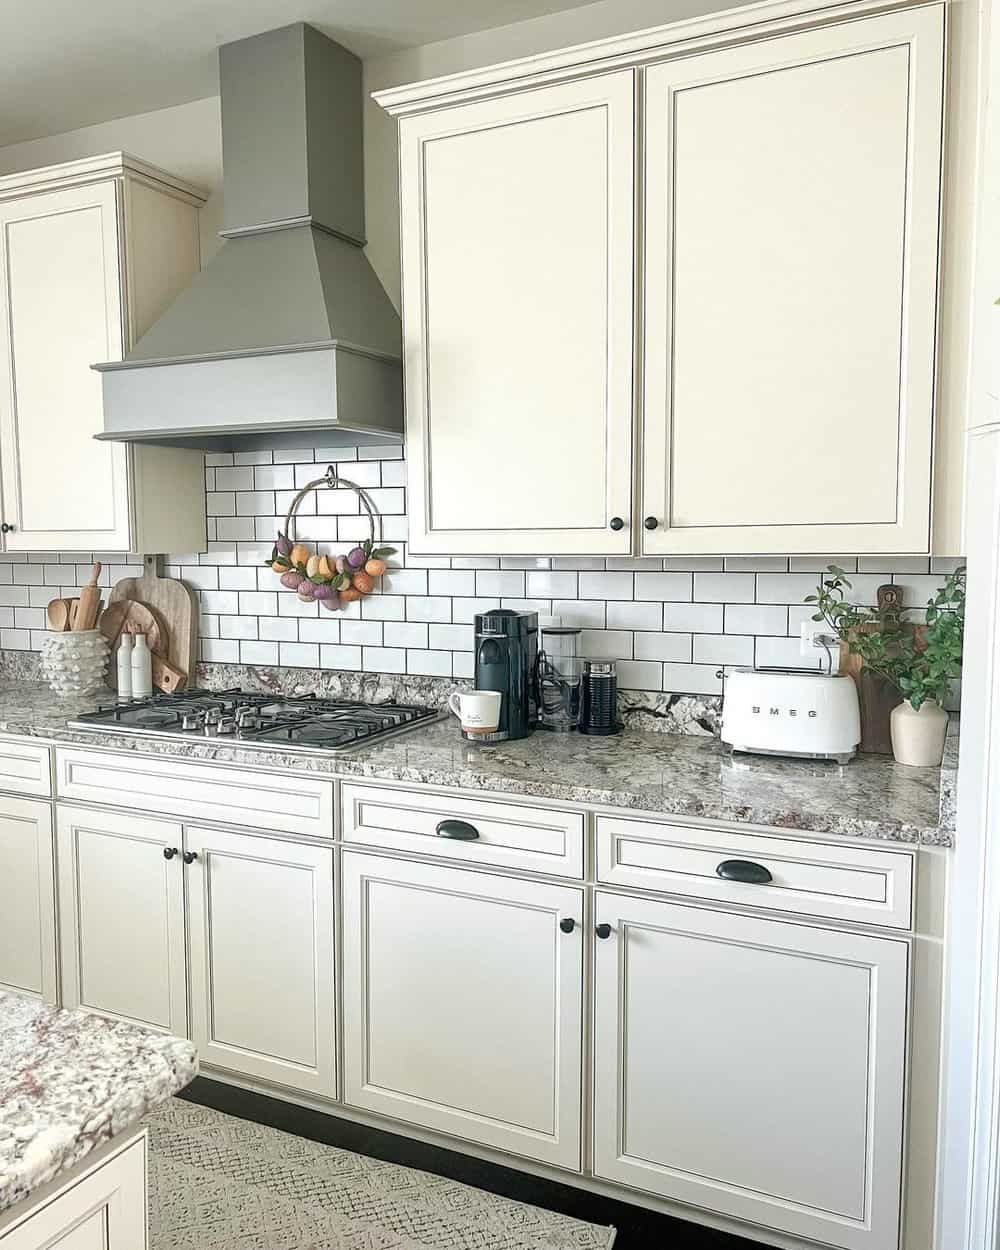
[[321, 345]]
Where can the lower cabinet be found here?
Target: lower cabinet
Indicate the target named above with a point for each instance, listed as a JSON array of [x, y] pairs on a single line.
[[751, 1067], [121, 916], [257, 961], [260, 922], [463, 1003], [27, 899]]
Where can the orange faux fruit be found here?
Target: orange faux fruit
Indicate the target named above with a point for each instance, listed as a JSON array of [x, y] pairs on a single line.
[[349, 595], [361, 581], [375, 567], [280, 566]]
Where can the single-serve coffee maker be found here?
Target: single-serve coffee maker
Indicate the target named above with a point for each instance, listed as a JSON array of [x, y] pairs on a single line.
[[505, 659]]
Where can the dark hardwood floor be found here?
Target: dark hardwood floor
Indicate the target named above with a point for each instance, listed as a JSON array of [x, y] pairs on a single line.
[[638, 1229]]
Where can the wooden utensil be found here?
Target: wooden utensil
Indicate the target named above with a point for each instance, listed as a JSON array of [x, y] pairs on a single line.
[[175, 607], [117, 617], [58, 613], [165, 676], [877, 696], [90, 601]]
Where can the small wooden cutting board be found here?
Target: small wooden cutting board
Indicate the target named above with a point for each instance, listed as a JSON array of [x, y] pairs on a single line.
[[175, 608]]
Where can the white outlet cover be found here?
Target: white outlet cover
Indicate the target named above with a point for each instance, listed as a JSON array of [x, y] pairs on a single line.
[[807, 643]]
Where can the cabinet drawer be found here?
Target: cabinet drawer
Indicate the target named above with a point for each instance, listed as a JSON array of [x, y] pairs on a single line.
[[535, 839], [24, 768], [255, 800], [840, 882]]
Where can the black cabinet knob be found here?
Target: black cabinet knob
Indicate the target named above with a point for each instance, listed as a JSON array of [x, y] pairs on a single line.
[[567, 925], [460, 830], [617, 523], [651, 522], [189, 857], [744, 871], [603, 931], [6, 528], [169, 852]]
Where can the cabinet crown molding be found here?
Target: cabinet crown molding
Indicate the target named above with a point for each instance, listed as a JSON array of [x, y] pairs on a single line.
[[681, 38], [98, 169]]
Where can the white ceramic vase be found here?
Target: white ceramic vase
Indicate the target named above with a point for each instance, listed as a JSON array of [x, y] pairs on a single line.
[[75, 662], [918, 737]]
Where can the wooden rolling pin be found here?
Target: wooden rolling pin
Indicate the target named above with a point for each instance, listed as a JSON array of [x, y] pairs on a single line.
[[90, 602]]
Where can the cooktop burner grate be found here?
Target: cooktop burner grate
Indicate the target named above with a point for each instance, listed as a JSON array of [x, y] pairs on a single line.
[[300, 723]]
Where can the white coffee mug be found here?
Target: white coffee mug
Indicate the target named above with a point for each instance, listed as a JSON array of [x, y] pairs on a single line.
[[478, 710]]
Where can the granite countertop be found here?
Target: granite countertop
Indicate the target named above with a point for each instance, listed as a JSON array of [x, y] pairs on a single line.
[[669, 774], [69, 1082]]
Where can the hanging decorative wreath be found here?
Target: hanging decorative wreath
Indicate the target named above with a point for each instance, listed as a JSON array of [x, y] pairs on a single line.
[[330, 581]]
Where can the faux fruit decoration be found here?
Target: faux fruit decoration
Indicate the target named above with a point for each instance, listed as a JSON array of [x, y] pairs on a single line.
[[330, 581]]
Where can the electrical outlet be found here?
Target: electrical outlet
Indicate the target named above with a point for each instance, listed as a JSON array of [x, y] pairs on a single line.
[[811, 630]]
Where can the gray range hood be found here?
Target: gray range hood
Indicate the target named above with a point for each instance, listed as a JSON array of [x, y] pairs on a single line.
[[287, 330]]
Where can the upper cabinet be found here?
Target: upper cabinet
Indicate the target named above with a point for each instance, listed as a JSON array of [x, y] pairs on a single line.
[[518, 253], [754, 310], [90, 254], [789, 276]]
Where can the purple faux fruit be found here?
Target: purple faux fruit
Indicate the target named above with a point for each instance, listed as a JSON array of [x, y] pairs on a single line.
[[332, 603], [293, 579], [356, 558], [323, 591], [283, 545]]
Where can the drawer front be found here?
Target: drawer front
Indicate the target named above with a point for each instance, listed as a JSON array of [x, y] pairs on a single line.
[[838, 882], [24, 768], [534, 839], [253, 800]]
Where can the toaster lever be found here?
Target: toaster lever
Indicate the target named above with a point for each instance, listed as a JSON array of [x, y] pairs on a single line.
[[743, 870]]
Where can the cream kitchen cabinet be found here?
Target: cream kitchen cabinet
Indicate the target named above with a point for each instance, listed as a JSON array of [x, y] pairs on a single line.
[[90, 254], [27, 898], [517, 254], [790, 278], [781, 375], [155, 914], [260, 928], [751, 1067], [121, 916], [463, 1003]]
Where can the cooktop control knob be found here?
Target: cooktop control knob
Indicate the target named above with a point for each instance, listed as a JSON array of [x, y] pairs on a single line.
[[191, 720]]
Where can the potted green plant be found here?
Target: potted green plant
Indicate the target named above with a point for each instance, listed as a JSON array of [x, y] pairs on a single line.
[[921, 662]]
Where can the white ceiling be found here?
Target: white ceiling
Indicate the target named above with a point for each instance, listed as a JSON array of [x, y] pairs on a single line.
[[67, 63]]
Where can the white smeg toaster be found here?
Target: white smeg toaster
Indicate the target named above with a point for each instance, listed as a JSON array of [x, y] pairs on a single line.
[[776, 711]]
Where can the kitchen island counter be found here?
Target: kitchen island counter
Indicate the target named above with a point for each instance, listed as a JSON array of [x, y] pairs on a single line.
[[70, 1082], [664, 774]]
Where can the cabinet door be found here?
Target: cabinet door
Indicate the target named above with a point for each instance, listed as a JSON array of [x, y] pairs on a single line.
[[752, 1067], [463, 1004], [121, 916], [260, 914], [27, 898], [517, 255], [60, 311], [790, 273]]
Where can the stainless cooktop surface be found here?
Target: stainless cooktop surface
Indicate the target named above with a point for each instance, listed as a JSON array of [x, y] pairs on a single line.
[[307, 723]]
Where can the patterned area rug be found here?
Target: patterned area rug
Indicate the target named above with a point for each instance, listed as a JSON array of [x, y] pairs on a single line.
[[218, 1183]]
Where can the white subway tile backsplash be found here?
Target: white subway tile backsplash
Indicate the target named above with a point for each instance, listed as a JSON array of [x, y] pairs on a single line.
[[672, 623], [673, 647], [663, 587], [724, 587], [755, 619], [692, 618], [611, 585]]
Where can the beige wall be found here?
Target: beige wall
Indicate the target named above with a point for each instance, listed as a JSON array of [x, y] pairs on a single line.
[[187, 139]]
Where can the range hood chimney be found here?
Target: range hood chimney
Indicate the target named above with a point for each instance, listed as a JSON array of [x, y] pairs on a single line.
[[287, 330]]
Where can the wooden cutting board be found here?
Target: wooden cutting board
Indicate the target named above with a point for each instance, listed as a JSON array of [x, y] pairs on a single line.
[[877, 696], [175, 608]]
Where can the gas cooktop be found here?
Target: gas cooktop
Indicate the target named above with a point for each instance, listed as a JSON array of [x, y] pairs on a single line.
[[306, 724]]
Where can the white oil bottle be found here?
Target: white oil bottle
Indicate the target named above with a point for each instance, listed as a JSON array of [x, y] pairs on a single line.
[[142, 669], [125, 667]]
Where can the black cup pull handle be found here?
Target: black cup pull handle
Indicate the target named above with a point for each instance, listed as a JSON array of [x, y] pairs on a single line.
[[567, 925], [744, 871], [603, 931], [169, 852], [460, 830]]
